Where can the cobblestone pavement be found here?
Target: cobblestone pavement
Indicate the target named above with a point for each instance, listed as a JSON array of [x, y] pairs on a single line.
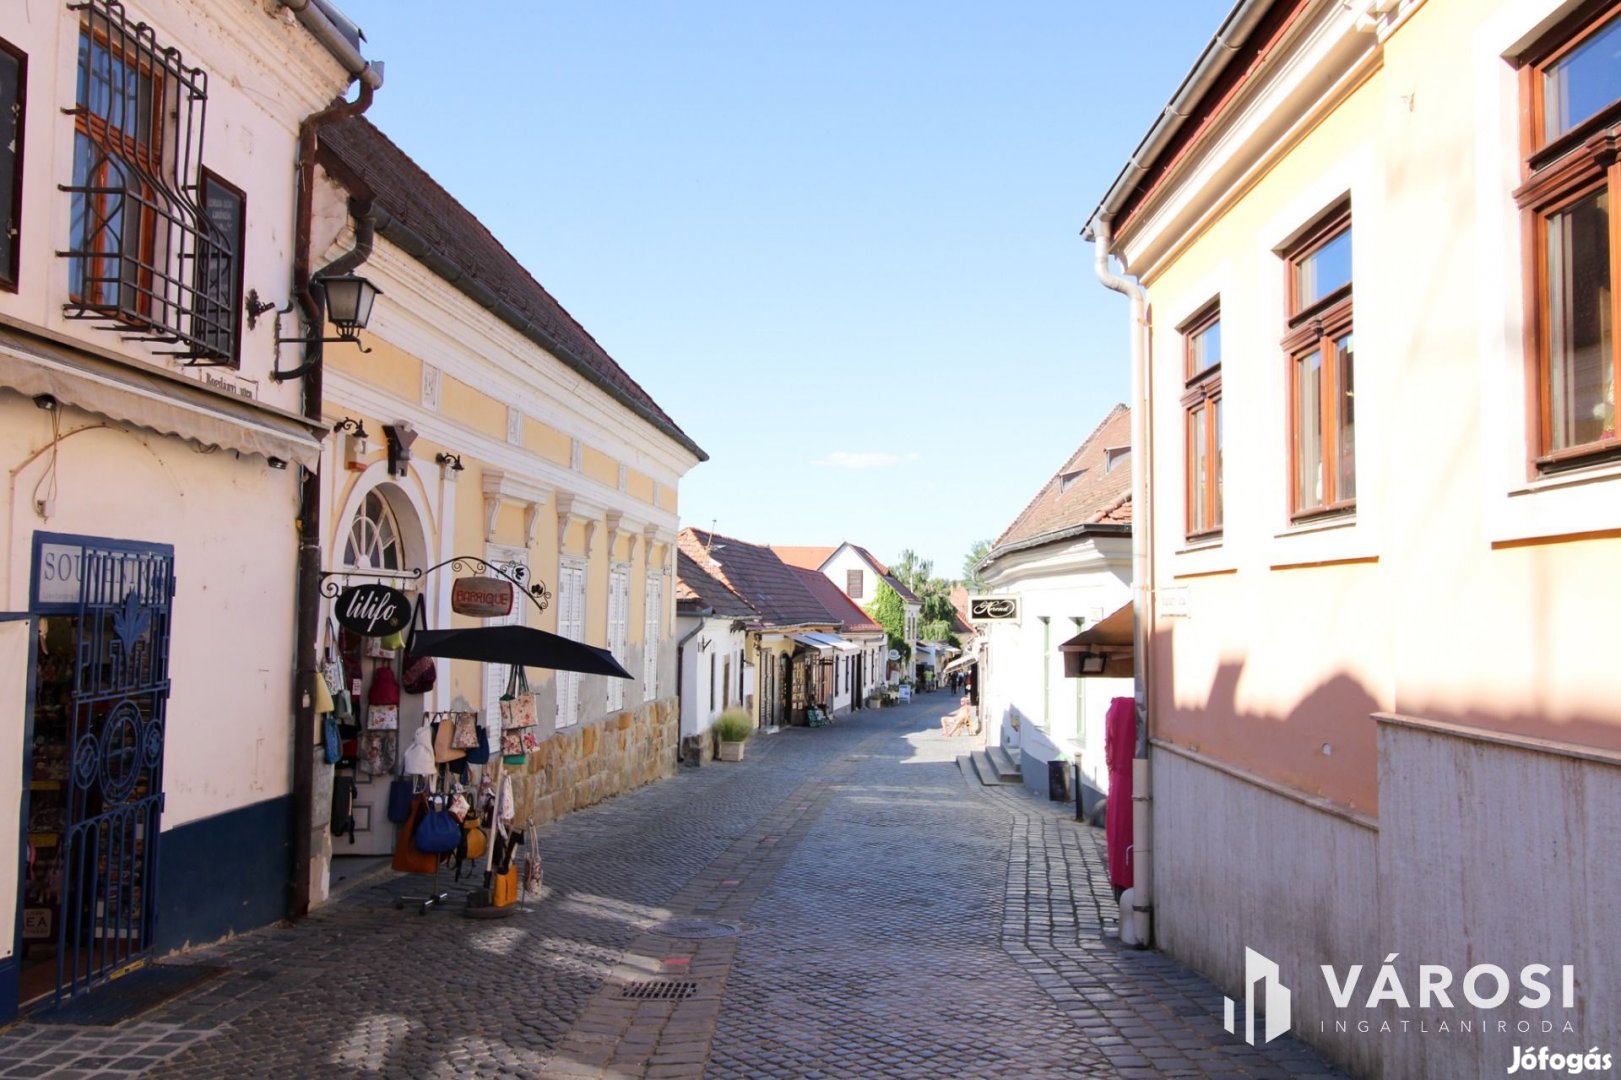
[[844, 903]]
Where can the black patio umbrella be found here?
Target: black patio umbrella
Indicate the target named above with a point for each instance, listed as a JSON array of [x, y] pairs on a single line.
[[518, 645]]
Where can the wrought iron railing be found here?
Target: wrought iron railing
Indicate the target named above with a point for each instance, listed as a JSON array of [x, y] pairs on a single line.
[[145, 257]]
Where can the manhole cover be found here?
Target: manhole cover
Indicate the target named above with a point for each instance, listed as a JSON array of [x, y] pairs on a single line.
[[660, 990], [694, 928]]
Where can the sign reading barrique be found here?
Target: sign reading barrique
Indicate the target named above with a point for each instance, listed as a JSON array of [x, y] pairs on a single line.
[[373, 610], [485, 597]]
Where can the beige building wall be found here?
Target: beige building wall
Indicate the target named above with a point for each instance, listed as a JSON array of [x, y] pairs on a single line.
[[1468, 604]]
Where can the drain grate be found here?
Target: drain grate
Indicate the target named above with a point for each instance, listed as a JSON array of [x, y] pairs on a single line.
[[658, 990]]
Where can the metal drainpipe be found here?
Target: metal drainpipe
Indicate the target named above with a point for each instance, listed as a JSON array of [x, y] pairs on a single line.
[[308, 600], [1142, 866]]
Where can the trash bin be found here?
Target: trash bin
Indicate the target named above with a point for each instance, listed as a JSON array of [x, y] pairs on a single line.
[[1058, 780]]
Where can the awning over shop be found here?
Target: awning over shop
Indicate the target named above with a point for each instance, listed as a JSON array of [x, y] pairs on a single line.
[[154, 399], [961, 662], [826, 644], [1102, 650]]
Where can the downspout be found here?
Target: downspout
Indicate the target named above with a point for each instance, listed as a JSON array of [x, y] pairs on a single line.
[[308, 600], [1142, 823]]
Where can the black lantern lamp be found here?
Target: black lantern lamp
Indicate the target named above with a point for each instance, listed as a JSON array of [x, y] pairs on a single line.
[[349, 300]]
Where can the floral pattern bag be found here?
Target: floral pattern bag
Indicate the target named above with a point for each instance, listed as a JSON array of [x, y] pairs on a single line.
[[518, 703]]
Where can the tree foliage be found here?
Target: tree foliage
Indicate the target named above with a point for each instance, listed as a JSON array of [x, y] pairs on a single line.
[[976, 552], [934, 593]]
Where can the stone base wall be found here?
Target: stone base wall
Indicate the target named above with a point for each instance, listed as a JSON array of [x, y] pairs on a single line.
[[593, 761]]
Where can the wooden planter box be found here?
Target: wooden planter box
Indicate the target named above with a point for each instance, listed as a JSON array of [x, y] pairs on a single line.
[[731, 751]]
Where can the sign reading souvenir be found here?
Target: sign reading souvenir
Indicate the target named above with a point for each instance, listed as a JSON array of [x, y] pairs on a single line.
[[993, 609], [485, 597], [373, 610]]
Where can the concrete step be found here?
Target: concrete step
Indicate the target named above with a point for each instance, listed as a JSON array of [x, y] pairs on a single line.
[[977, 767], [1006, 765]]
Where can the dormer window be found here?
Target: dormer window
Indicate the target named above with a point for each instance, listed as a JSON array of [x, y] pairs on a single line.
[[144, 256]]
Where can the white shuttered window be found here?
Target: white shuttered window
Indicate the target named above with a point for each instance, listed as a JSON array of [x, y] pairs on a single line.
[[570, 624], [618, 628], [652, 632]]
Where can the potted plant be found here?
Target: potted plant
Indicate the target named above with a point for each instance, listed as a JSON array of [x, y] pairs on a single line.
[[732, 729]]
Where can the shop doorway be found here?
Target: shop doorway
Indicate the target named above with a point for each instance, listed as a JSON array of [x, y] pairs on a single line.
[[384, 542], [93, 763]]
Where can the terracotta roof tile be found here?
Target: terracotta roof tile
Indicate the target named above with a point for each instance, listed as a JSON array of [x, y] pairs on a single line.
[[844, 611], [806, 558], [357, 151], [1092, 488], [753, 572]]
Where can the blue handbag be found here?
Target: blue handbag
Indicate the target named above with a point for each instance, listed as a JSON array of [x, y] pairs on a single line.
[[480, 754], [400, 791], [438, 833]]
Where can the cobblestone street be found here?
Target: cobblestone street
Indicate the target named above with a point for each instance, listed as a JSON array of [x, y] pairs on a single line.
[[893, 918]]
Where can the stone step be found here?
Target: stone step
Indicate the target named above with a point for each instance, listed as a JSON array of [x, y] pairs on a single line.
[[1005, 764], [978, 765]]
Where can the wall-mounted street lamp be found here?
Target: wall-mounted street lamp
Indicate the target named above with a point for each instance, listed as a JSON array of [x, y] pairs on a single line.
[[451, 463], [349, 300]]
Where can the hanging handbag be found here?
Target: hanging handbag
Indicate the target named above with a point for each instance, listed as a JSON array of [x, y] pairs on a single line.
[[331, 739], [421, 672], [323, 704], [383, 701], [419, 755], [464, 730], [400, 793], [531, 877], [518, 707], [406, 855], [377, 752], [443, 751], [519, 743], [438, 833], [480, 754]]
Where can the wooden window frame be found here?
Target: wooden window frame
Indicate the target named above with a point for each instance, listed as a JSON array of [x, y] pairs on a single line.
[[11, 267], [1202, 392], [855, 584], [1314, 328], [1555, 174]]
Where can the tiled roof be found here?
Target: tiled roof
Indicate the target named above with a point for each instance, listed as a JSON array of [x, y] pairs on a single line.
[[698, 588], [753, 572], [806, 558], [1084, 491], [428, 222], [844, 611]]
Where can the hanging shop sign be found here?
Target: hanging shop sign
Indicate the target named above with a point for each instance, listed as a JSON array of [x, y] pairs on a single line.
[[373, 610], [484, 597], [993, 609]]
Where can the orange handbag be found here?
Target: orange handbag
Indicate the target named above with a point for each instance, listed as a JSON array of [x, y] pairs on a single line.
[[406, 855]]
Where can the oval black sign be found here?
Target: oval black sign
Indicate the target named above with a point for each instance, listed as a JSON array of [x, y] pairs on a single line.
[[373, 610]]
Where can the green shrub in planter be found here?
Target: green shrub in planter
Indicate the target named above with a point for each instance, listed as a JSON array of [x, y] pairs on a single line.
[[733, 725]]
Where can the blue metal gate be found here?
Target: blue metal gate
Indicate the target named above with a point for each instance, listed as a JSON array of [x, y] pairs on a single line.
[[115, 779]]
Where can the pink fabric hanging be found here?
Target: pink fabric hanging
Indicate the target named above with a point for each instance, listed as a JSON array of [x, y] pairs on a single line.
[[1119, 748]]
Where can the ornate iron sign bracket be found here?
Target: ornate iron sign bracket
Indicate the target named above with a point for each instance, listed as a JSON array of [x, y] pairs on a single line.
[[332, 581]]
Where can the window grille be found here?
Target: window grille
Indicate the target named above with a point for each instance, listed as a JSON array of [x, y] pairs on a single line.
[[144, 258]]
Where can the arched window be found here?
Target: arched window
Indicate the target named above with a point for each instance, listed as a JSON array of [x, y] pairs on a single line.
[[374, 537]]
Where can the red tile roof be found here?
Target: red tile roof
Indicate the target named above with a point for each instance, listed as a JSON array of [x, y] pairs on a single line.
[[426, 221], [845, 611], [753, 572], [806, 558], [1086, 490]]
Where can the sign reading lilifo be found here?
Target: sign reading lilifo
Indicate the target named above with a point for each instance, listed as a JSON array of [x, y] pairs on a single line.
[[993, 609], [485, 597], [373, 610]]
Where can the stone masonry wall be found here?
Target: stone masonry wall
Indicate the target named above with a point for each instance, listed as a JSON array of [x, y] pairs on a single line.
[[589, 762]]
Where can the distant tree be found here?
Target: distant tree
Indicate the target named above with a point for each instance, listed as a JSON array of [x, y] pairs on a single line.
[[938, 631], [976, 552]]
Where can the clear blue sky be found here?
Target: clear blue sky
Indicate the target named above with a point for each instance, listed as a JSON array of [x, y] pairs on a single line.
[[838, 242]]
